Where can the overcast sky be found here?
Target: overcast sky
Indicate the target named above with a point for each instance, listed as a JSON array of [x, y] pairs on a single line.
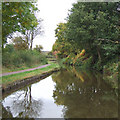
[[52, 12]]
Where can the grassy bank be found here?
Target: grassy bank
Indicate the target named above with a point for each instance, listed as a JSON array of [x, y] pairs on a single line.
[[6, 70], [12, 78]]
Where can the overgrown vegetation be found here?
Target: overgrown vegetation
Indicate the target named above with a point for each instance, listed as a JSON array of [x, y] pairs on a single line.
[[21, 25], [90, 37], [111, 72], [12, 58]]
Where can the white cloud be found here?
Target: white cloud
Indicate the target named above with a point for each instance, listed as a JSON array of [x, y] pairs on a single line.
[[52, 12]]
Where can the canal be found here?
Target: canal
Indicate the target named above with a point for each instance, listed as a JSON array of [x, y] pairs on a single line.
[[69, 93]]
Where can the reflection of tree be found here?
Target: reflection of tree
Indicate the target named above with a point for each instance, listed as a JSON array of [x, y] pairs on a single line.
[[24, 106], [84, 98], [6, 112]]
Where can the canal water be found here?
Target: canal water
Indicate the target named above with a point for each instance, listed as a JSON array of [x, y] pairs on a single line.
[[69, 93]]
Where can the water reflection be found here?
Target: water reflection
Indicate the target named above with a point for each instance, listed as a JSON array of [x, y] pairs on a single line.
[[84, 95], [22, 104], [71, 93], [34, 101]]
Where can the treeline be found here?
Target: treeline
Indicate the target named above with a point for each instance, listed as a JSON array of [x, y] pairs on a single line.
[[19, 23], [90, 37]]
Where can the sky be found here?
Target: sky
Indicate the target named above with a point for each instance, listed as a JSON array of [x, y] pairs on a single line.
[[52, 12]]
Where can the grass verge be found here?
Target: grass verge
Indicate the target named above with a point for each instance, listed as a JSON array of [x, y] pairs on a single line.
[[6, 70], [19, 76]]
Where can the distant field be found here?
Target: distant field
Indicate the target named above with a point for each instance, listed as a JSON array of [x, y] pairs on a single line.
[[45, 52]]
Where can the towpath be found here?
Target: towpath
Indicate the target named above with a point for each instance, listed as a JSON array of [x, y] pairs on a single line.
[[10, 73]]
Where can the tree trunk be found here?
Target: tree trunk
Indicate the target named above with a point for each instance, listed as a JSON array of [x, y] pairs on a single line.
[[31, 41], [98, 52], [27, 38]]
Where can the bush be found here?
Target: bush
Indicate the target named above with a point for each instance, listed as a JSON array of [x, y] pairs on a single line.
[[9, 48], [69, 59], [22, 57], [87, 63], [111, 73], [6, 59]]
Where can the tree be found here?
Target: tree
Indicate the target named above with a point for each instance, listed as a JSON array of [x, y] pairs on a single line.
[[32, 33], [38, 48], [20, 43], [94, 27], [62, 46], [17, 16]]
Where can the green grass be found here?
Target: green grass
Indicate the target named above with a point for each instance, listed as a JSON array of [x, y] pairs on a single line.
[[14, 77], [12, 69]]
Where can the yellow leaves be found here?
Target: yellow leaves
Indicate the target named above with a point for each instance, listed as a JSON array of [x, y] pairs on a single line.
[[83, 50], [81, 78], [16, 10], [116, 42], [82, 53]]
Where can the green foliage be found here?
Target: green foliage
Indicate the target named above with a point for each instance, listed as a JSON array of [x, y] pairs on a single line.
[[20, 43], [38, 48], [111, 73], [22, 58], [98, 66], [9, 48], [93, 27], [112, 65], [69, 59], [62, 46], [50, 55], [84, 62], [61, 62], [17, 16]]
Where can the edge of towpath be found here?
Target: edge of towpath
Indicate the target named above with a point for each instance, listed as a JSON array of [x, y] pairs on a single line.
[[10, 73]]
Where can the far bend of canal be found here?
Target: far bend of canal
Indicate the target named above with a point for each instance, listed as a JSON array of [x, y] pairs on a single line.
[[69, 93]]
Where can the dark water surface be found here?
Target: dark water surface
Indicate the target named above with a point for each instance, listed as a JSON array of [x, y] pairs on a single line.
[[70, 93]]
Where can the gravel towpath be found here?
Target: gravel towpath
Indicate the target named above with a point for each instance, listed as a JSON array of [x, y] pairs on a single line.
[[10, 73]]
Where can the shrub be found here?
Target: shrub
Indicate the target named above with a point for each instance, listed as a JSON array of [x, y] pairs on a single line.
[[38, 48], [87, 63], [84, 62], [6, 59], [69, 59], [9, 48], [23, 57]]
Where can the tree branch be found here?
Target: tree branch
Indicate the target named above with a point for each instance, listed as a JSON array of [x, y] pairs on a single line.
[[108, 40]]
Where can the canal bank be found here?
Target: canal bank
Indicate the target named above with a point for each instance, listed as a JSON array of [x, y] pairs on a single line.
[[68, 93], [14, 82]]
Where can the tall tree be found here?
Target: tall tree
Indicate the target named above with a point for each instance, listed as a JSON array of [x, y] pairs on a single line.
[[93, 26], [32, 33], [62, 46], [17, 16]]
